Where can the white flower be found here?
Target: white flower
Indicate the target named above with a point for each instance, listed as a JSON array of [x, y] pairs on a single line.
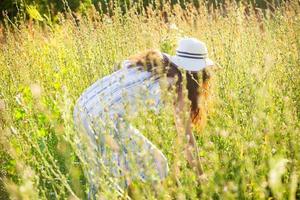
[[35, 90], [173, 26], [278, 168]]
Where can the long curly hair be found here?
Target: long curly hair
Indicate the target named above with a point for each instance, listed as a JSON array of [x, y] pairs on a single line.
[[198, 90]]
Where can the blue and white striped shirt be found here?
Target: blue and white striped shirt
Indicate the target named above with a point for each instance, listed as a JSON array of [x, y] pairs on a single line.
[[110, 94], [108, 101]]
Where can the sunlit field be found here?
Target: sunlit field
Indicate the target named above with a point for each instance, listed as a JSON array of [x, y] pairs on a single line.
[[249, 148]]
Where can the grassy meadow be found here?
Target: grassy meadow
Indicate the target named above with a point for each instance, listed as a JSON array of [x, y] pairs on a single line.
[[249, 149]]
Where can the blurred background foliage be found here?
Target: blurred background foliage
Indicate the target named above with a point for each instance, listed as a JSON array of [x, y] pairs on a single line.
[[50, 8]]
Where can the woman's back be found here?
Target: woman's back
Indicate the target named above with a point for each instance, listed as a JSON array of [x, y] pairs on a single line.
[[100, 112], [109, 96]]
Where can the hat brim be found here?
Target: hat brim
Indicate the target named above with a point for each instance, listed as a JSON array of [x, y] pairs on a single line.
[[191, 64]]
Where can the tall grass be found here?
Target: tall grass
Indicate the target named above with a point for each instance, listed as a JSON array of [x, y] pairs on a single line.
[[250, 148]]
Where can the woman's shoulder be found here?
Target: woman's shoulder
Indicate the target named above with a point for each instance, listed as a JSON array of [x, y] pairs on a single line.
[[126, 63], [121, 76]]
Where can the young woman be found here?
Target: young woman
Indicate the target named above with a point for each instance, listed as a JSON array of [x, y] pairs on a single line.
[[101, 111]]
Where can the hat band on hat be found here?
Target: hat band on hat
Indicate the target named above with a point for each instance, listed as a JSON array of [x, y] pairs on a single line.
[[191, 55]]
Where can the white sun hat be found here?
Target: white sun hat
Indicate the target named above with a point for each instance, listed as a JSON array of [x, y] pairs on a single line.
[[191, 55]]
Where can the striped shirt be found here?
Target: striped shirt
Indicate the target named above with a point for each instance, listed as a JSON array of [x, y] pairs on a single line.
[[126, 85], [105, 104]]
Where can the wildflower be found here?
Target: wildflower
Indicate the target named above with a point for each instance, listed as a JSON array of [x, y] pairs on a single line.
[[35, 90], [173, 26], [224, 133], [278, 168], [2, 105], [268, 60], [56, 68]]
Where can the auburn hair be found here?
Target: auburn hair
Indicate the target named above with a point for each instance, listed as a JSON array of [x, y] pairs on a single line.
[[198, 91]]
